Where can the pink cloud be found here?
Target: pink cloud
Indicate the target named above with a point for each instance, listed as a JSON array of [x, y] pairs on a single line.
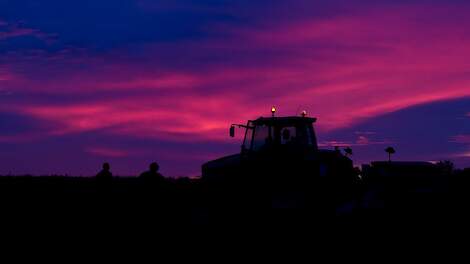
[[343, 69], [19, 138], [5, 75], [191, 117], [462, 139], [365, 133], [463, 155], [107, 152], [360, 141], [14, 30], [334, 143]]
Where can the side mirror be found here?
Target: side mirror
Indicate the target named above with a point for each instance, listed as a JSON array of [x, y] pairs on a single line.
[[232, 131]]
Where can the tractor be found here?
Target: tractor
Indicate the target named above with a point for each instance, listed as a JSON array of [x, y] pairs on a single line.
[[280, 163]]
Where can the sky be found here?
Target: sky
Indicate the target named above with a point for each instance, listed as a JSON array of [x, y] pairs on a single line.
[[132, 81]]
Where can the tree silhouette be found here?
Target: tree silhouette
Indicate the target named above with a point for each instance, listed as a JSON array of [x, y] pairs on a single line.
[[390, 151], [446, 166]]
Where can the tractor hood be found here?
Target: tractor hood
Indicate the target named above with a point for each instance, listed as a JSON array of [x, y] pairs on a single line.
[[224, 162]]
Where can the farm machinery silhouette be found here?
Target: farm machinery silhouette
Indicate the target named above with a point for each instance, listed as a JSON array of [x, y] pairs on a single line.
[[280, 160]]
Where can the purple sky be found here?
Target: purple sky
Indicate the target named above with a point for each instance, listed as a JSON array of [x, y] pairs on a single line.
[[132, 81]]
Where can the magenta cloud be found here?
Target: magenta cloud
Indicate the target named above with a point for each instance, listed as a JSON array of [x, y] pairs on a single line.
[[342, 69]]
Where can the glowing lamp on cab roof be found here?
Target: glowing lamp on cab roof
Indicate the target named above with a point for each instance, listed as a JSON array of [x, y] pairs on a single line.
[[273, 110], [304, 113]]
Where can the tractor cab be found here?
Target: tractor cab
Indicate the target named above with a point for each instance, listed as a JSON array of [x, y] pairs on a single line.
[[270, 144], [278, 135]]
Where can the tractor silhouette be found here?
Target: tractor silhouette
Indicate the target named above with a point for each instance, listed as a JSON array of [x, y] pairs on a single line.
[[280, 164]]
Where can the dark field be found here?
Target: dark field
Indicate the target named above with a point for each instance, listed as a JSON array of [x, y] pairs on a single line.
[[195, 202]]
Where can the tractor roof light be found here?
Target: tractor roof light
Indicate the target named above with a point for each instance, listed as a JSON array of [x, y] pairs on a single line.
[[304, 113], [273, 110]]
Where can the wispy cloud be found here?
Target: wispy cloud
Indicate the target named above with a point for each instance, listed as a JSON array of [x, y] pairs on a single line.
[[344, 69], [5, 75], [462, 139], [463, 155], [388, 58], [14, 30], [107, 152], [360, 141]]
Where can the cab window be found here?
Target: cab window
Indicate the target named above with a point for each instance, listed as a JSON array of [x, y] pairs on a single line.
[[262, 137], [288, 135]]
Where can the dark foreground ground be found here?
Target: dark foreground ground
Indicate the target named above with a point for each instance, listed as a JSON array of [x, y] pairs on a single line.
[[189, 202], [132, 215]]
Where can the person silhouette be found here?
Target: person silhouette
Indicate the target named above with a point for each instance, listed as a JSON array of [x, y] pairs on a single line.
[[105, 173], [152, 174]]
